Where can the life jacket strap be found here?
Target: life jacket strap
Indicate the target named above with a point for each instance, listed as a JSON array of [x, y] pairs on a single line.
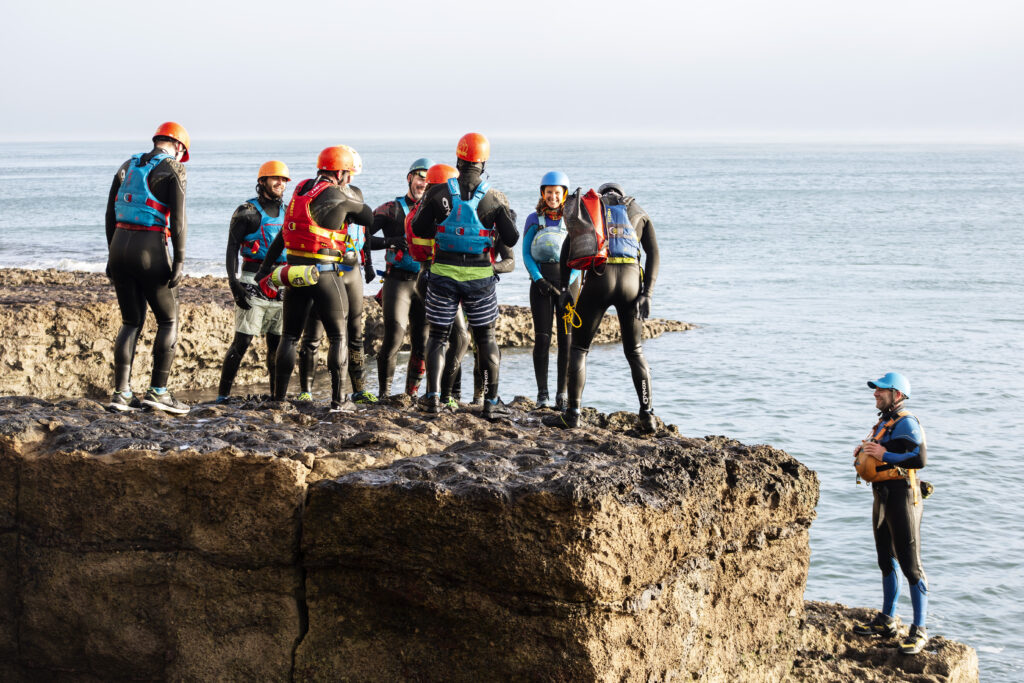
[[622, 259], [313, 254], [144, 228]]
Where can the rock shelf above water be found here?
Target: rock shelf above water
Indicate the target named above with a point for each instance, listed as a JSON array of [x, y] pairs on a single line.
[[277, 541], [57, 330]]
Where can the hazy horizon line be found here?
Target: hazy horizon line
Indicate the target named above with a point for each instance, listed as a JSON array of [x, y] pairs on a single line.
[[735, 137]]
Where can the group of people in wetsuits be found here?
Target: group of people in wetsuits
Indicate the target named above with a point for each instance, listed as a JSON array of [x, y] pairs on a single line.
[[446, 240]]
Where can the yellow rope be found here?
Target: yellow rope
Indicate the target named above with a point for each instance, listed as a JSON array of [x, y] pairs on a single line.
[[571, 317]]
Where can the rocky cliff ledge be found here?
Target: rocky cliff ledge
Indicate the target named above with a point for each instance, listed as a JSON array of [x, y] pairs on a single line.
[[277, 542], [57, 331]]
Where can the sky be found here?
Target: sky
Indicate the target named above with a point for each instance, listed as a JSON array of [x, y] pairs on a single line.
[[795, 69]]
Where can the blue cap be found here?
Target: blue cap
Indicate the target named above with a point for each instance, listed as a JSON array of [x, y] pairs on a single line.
[[892, 380]]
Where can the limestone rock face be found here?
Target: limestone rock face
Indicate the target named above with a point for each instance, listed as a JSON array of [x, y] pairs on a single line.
[[555, 559], [57, 330], [278, 541]]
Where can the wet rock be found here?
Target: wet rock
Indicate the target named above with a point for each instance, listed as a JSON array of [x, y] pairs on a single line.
[[830, 652], [57, 330]]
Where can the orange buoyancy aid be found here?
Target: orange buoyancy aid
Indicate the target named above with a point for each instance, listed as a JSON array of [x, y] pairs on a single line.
[[873, 471], [303, 236]]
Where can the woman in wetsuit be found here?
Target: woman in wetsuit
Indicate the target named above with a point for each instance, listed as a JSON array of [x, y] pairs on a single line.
[[621, 284], [542, 247]]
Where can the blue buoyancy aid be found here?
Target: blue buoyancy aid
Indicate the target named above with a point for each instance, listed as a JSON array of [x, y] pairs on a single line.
[[547, 240], [256, 243], [400, 258], [462, 232], [621, 235], [136, 207]]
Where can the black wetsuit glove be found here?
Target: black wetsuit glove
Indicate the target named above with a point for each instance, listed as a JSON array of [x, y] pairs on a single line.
[[239, 294], [398, 243], [564, 299], [643, 306], [177, 273], [547, 287], [369, 273]]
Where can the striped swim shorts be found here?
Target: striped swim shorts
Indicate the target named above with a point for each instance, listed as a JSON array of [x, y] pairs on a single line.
[[479, 299]]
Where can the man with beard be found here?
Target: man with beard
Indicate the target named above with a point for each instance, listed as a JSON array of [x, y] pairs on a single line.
[[254, 225], [403, 310]]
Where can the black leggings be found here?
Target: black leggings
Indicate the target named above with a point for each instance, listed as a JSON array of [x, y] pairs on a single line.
[[618, 286], [235, 354], [352, 286], [140, 271], [402, 306], [897, 526], [328, 300], [544, 308]]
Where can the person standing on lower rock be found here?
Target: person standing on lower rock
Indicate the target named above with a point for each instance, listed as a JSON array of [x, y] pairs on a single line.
[[254, 225], [625, 229], [145, 208], [889, 459]]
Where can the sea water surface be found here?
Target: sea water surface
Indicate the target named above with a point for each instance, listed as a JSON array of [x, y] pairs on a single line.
[[809, 268]]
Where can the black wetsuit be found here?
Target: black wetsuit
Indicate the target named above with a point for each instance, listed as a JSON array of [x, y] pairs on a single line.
[[244, 222], [493, 211], [334, 207], [403, 309], [619, 285], [137, 265]]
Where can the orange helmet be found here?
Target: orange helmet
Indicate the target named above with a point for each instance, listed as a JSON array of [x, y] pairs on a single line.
[[175, 131], [273, 168], [439, 173], [473, 147], [337, 158]]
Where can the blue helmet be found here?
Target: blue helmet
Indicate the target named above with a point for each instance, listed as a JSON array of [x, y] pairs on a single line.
[[421, 164], [555, 178], [892, 380]]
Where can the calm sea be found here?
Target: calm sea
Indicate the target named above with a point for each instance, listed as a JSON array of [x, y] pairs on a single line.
[[810, 270]]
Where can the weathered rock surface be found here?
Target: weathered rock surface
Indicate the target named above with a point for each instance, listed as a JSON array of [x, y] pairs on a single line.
[[277, 541], [57, 330]]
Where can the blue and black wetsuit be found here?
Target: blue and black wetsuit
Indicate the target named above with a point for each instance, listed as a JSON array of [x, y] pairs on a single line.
[[896, 515]]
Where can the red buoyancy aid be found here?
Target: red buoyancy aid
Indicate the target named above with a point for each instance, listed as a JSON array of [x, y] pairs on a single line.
[[420, 248], [303, 236]]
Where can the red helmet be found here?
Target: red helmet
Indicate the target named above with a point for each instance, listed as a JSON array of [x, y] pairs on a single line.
[[439, 173], [473, 147], [273, 168], [175, 131], [337, 158]]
